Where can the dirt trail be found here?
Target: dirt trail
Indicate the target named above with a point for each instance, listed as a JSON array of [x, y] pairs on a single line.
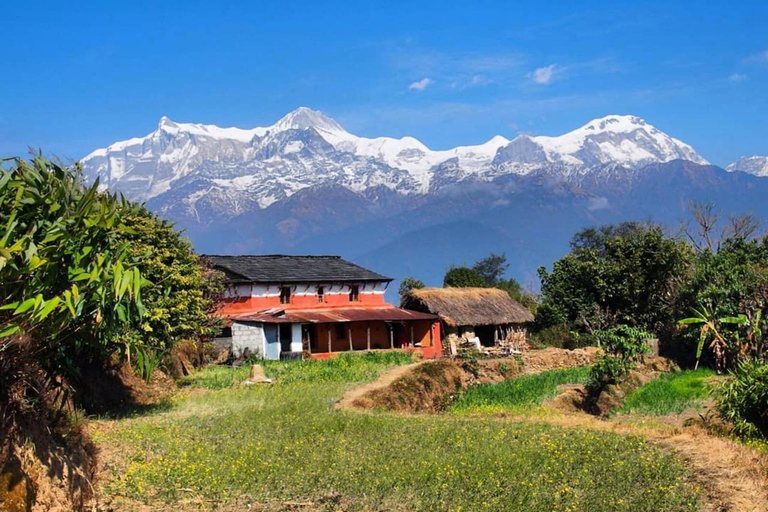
[[383, 381], [734, 477]]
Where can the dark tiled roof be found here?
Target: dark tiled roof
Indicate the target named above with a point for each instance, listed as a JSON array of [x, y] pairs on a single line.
[[291, 269]]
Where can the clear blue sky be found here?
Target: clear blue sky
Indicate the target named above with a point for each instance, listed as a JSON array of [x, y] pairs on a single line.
[[80, 75]]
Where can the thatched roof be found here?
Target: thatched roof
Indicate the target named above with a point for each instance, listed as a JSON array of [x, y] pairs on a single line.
[[468, 306]]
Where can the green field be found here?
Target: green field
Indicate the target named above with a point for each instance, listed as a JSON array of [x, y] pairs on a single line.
[[520, 393], [671, 393], [272, 444]]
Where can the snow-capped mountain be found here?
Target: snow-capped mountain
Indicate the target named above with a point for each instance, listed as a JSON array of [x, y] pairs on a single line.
[[624, 140], [756, 165], [204, 171]]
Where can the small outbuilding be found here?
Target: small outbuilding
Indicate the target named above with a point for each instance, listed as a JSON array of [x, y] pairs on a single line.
[[489, 314]]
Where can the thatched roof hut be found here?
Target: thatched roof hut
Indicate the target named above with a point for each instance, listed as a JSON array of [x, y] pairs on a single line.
[[468, 306]]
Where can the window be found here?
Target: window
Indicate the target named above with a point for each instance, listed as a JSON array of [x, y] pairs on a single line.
[[320, 294], [354, 293], [340, 332], [285, 295]]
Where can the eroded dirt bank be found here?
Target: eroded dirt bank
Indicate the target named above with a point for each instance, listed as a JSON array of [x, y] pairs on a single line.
[[430, 386]]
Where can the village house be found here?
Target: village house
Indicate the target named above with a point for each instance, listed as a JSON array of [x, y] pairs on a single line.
[[280, 306], [488, 315]]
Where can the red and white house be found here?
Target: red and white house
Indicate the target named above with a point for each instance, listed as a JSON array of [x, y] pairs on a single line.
[[283, 306]]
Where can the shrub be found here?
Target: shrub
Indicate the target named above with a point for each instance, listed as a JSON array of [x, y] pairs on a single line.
[[743, 400], [624, 346]]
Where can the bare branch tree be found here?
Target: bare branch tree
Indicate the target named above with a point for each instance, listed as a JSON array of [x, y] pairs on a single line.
[[705, 219], [741, 226]]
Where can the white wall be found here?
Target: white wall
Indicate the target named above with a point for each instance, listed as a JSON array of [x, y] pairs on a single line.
[[273, 290], [296, 338], [248, 340]]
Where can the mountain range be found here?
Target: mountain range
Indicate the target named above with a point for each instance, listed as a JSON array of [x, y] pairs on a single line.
[[306, 185]]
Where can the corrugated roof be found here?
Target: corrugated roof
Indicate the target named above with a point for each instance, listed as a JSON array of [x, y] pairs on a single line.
[[468, 306], [279, 268], [334, 315]]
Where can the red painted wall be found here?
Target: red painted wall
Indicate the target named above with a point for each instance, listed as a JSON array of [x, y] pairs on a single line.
[[253, 304]]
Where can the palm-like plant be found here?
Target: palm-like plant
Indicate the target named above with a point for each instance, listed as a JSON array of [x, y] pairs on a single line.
[[709, 329]]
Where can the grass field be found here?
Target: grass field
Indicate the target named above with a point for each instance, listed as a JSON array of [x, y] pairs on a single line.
[[522, 392], [271, 444], [670, 393]]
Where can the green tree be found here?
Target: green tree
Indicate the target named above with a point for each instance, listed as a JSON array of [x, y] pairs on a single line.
[[179, 300], [463, 277], [409, 283], [730, 283], [625, 274], [67, 288], [491, 269], [65, 280]]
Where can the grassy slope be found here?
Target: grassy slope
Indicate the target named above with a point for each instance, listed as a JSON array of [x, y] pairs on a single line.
[[523, 392], [285, 442], [670, 393]]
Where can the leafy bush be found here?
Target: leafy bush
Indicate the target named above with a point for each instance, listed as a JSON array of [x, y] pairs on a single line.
[[624, 347], [463, 277], [179, 296], [65, 278], [743, 400], [729, 284]]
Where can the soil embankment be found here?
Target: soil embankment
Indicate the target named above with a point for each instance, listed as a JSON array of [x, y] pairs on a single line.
[[430, 386]]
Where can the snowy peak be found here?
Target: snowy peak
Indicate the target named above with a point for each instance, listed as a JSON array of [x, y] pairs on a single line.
[[303, 118], [166, 125], [616, 124], [756, 165], [626, 140]]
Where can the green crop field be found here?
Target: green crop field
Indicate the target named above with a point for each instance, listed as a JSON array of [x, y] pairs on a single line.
[[670, 393], [520, 393], [285, 443]]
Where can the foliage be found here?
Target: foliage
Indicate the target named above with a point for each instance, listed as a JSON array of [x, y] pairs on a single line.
[[285, 442], [629, 273], [709, 329], [670, 393], [65, 280], [743, 399], [727, 284], [521, 392], [558, 336], [491, 268], [409, 283], [624, 346], [66, 288], [488, 273], [463, 277], [179, 300]]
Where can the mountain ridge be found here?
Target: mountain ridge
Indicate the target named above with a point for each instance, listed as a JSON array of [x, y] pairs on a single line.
[[229, 171]]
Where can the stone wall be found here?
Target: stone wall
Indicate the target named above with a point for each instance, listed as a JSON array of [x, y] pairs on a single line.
[[248, 340]]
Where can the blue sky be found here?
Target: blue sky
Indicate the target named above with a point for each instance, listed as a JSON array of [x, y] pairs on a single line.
[[80, 75]]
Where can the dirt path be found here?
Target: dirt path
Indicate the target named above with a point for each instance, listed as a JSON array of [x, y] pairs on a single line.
[[384, 380], [734, 477]]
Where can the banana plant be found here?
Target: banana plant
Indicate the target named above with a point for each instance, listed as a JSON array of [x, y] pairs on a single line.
[[706, 318]]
